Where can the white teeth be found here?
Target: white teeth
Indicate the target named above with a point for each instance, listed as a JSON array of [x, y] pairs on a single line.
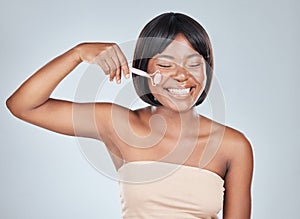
[[179, 91]]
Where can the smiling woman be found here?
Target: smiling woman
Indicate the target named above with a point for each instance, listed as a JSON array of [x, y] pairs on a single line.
[[157, 35], [160, 165], [184, 75]]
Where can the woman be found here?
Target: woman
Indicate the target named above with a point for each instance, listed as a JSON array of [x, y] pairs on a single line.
[[214, 163]]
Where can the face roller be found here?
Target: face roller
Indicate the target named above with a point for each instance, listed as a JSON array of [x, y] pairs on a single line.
[[154, 77]]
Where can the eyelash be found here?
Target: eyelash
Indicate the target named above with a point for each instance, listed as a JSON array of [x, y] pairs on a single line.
[[164, 65], [189, 66], [194, 65]]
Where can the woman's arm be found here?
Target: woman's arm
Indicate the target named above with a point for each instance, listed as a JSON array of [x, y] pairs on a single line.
[[238, 179], [31, 102]]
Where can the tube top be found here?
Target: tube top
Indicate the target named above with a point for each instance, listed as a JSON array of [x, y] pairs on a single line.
[[151, 189]]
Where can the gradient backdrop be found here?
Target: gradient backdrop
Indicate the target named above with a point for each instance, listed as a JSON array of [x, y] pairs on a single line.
[[45, 175]]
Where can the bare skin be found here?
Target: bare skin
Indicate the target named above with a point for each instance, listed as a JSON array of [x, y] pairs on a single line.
[[183, 129]]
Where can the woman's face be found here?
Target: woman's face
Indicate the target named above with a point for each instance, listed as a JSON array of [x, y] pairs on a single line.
[[183, 75]]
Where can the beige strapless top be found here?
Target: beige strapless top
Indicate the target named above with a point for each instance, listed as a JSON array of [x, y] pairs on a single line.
[[151, 189]]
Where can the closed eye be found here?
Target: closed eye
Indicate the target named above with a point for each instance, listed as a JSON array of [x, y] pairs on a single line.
[[165, 65], [194, 65]]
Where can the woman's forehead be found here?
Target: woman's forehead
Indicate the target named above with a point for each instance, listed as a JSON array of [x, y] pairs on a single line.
[[180, 46], [178, 56]]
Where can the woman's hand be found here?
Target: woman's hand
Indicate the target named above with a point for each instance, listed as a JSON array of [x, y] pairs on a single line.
[[108, 56]]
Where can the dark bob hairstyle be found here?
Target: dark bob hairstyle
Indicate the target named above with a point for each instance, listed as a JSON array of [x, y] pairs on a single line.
[[156, 36]]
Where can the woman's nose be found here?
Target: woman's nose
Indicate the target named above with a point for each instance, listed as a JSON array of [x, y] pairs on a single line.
[[180, 74]]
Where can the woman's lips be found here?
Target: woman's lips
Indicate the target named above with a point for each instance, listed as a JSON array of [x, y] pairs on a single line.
[[180, 92]]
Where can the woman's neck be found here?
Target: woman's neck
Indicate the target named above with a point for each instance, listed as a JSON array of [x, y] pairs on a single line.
[[172, 117]]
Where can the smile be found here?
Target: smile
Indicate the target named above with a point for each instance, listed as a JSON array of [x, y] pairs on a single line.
[[179, 91]]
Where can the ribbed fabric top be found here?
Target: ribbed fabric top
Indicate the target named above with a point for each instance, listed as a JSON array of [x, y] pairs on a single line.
[[151, 189]]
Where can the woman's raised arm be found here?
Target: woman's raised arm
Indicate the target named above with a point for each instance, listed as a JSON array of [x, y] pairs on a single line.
[[31, 102]]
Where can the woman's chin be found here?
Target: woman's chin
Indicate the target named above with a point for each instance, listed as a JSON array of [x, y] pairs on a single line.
[[179, 107]]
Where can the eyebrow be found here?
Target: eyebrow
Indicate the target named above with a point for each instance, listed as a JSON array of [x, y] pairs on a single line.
[[173, 58], [165, 56], [194, 55]]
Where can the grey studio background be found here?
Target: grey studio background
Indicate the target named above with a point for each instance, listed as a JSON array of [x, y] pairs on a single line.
[[45, 175]]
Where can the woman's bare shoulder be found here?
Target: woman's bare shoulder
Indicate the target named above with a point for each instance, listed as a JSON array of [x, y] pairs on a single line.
[[238, 147], [232, 138]]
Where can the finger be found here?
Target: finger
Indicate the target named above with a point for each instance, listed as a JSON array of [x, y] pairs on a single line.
[[104, 66], [125, 70], [123, 61], [112, 68], [116, 61], [118, 75]]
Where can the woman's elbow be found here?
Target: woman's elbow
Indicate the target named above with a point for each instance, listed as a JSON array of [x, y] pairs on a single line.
[[12, 106]]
